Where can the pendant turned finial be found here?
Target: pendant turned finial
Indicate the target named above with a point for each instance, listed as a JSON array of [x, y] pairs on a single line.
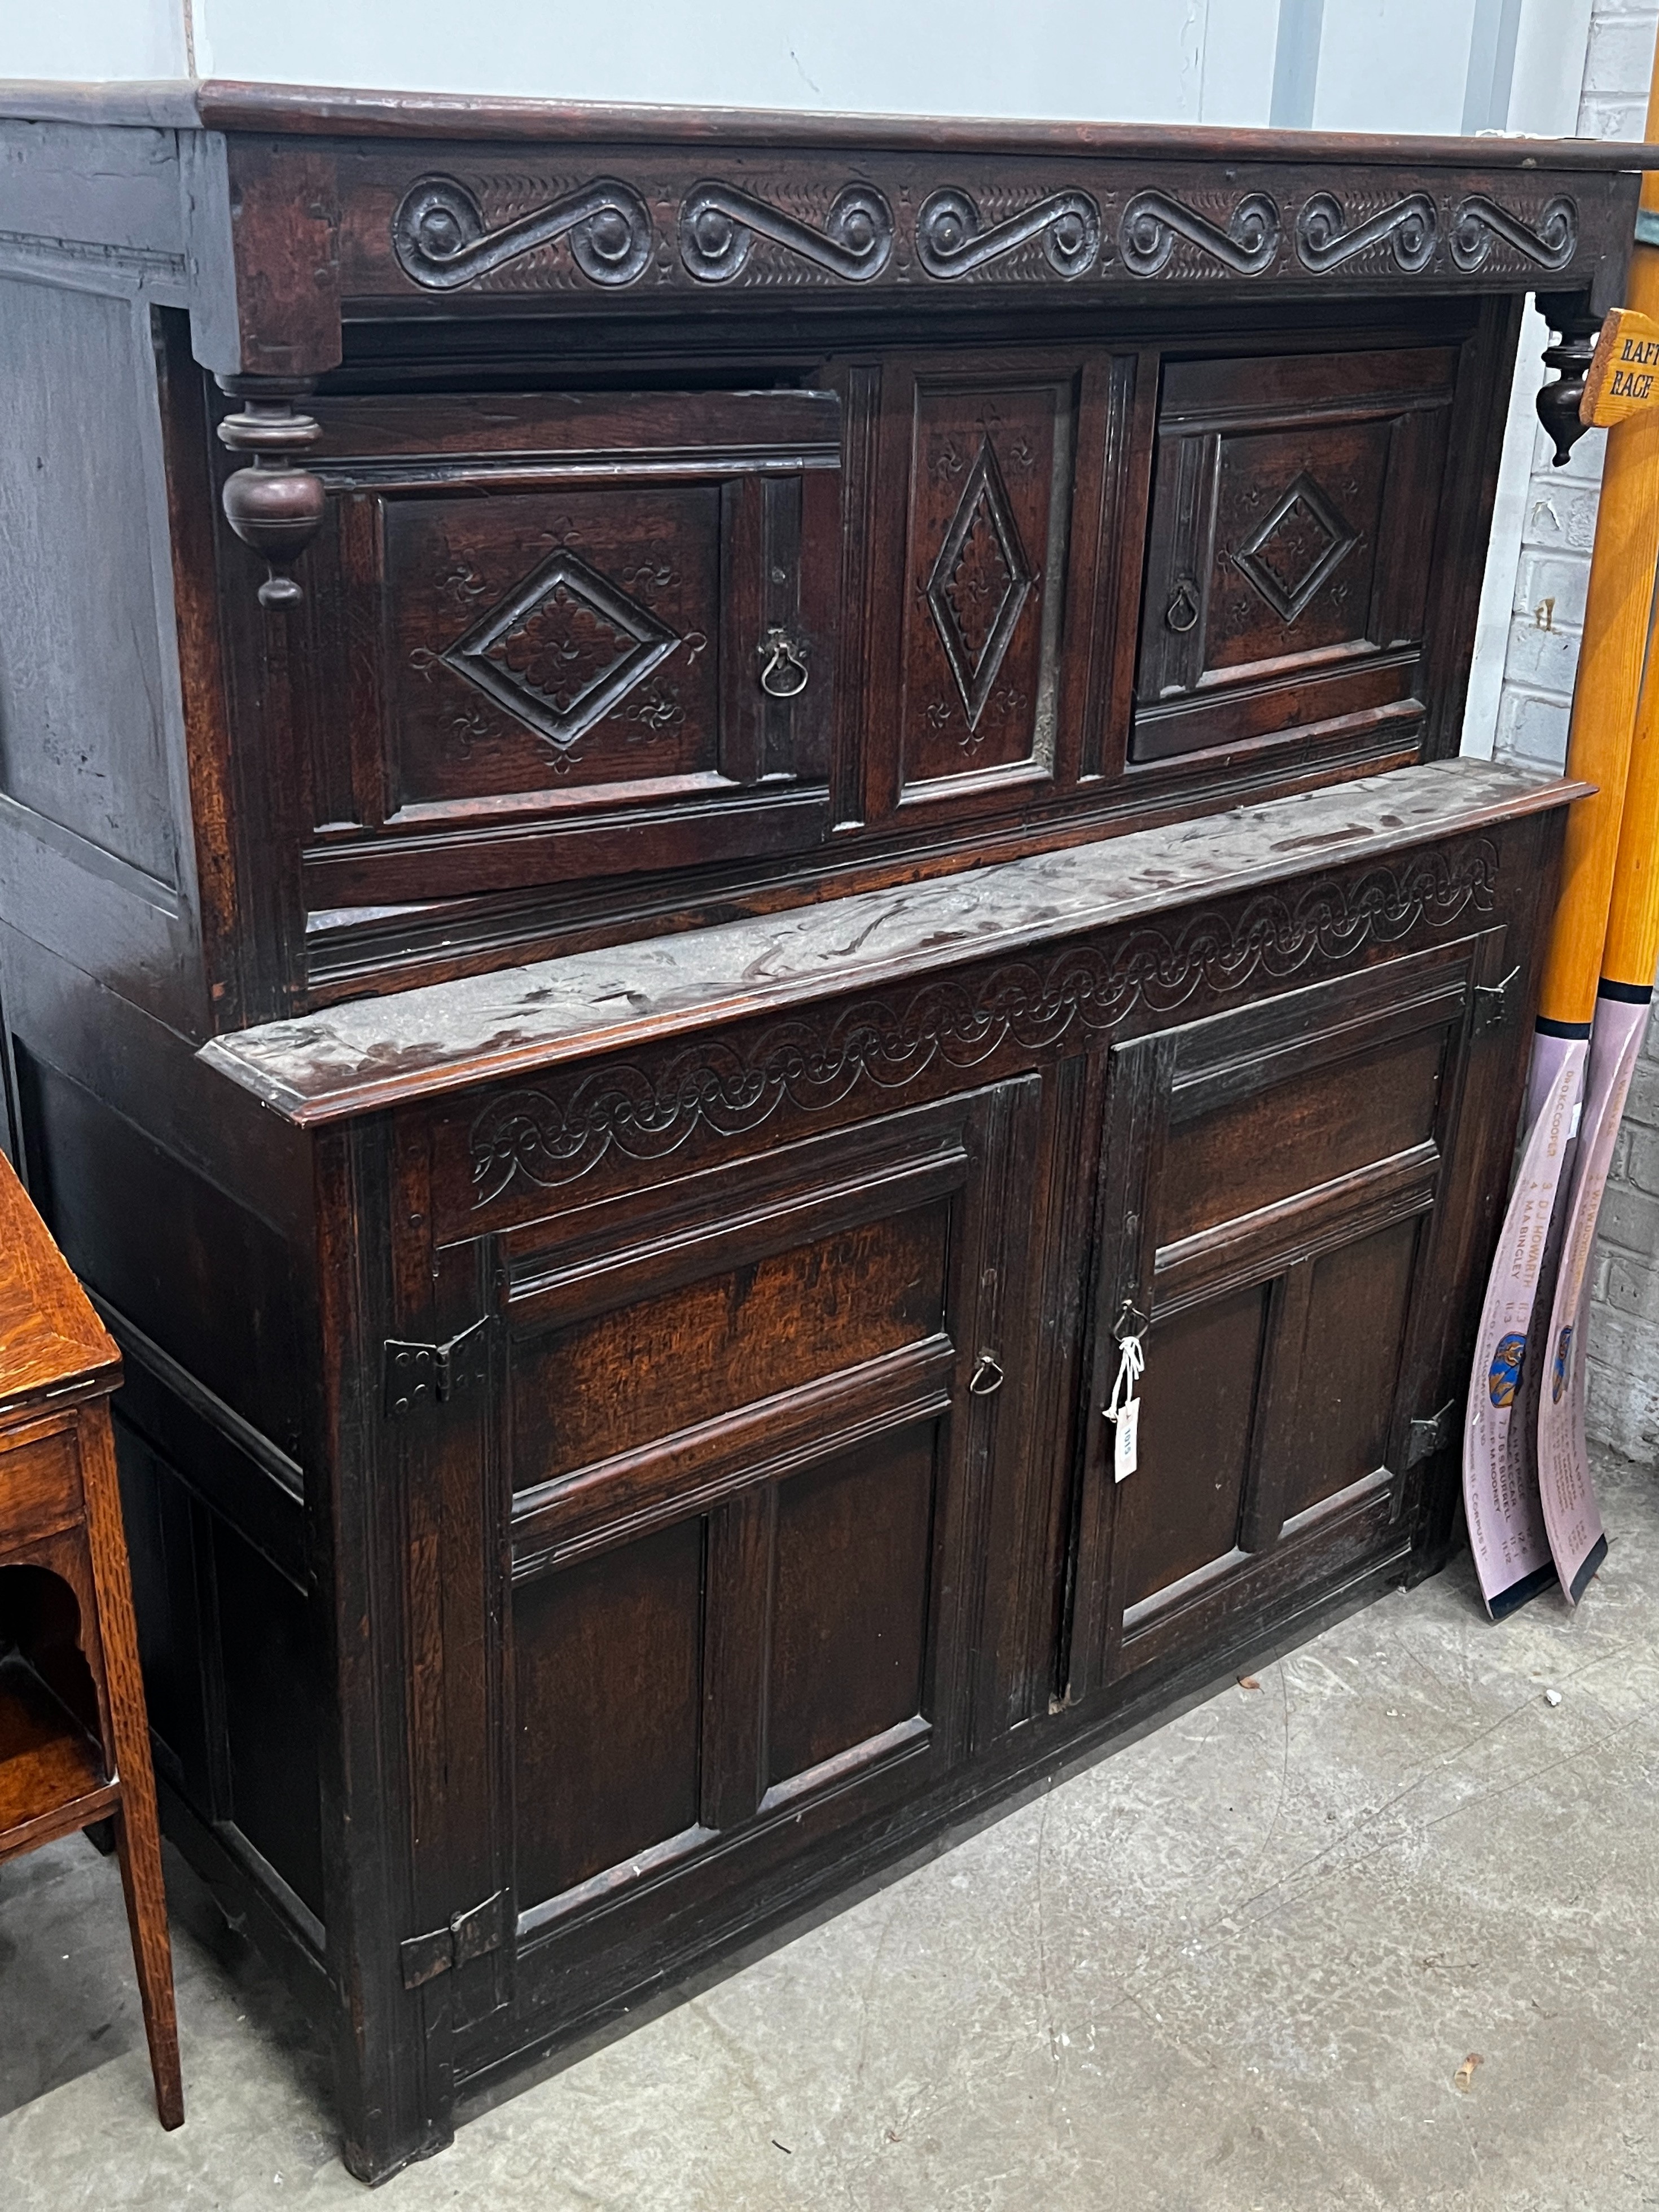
[[272, 505], [1569, 357]]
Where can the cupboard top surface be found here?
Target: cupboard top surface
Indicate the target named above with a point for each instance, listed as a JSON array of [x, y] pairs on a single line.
[[51, 1340], [447, 1037], [310, 111]]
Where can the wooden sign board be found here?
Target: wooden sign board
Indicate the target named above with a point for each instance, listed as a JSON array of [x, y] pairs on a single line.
[[1624, 372]]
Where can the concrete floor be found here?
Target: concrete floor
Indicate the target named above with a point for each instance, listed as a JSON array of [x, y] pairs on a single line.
[[1238, 1965]]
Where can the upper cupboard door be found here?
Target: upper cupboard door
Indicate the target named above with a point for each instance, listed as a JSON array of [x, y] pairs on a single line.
[[1294, 509], [984, 501], [561, 636]]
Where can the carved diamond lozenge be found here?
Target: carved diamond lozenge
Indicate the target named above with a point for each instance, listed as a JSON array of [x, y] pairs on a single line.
[[980, 584], [1298, 549], [563, 650]]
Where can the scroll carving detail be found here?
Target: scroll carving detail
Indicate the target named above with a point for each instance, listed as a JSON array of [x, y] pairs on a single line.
[[950, 242], [442, 242], [1325, 240], [719, 226], [1152, 222], [815, 1061], [1479, 223]]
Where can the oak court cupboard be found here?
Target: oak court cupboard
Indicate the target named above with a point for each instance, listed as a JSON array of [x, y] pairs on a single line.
[[690, 802]]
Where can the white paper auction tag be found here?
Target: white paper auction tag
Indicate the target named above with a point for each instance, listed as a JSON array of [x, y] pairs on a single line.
[[1122, 1408], [1127, 1428]]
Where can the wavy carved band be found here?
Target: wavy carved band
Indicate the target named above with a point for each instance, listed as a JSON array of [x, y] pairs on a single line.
[[1152, 222], [951, 243], [719, 226], [1323, 240], [441, 241], [1479, 221], [813, 1063]]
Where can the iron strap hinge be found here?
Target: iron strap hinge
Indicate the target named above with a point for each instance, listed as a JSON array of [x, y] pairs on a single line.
[[469, 1935], [1432, 1434], [1492, 1003], [421, 1374]]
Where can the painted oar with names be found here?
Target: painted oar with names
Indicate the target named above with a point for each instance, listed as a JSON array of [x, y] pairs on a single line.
[[1505, 1508], [1566, 1488]]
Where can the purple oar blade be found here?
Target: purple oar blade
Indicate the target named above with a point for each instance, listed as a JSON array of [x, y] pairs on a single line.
[[1573, 1517], [1507, 1533]]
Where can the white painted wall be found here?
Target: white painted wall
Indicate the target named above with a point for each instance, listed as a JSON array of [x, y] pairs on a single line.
[[93, 38], [1370, 64], [1393, 64], [1174, 60]]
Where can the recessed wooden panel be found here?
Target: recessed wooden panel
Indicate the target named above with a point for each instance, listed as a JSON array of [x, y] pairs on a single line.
[[849, 1607], [1318, 1123], [1291, 541], [1180, 1509], [735, 1334], [989, 497], [605, 1670], [554, 636], [1295, 549], [543, 640], [269, 1713], [85, 714], [40, 1484], [1350, 1363]]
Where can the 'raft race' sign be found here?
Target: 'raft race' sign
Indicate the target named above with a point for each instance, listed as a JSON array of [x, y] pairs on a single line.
[[1624, 374]]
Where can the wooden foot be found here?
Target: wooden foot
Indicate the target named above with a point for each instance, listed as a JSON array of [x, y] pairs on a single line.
[[138, 1847], [137, 1830]]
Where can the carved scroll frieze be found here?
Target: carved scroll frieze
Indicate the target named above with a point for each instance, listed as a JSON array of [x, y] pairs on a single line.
[[1153, 223], [719, 226], [951, 240], [1325, 239], [815, 1061], [1479, 224], [443, 242]]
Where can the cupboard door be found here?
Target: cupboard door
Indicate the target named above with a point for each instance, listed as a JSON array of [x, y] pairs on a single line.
[[1290, 547], [986, 516], [750, 1427], [559, 636], [1274, 1184]]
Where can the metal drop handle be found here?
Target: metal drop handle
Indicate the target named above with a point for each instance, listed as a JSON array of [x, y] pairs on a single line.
[[987, 1377], [1181, 613], [784, 673]]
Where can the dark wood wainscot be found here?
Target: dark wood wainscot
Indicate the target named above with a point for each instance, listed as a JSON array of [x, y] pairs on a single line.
[[687, 803]]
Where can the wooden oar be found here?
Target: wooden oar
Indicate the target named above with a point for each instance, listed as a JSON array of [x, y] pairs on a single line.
[[1567, 1492], [1508, 1531]]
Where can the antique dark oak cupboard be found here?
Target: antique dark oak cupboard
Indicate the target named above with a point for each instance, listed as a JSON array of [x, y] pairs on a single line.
[[818, 774]]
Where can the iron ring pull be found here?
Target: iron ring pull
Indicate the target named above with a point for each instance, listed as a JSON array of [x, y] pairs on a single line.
[[1181, 613], [784, 673], [987, 1378]]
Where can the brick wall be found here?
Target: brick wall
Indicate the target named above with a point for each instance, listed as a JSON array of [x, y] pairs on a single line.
[[1533, 709]]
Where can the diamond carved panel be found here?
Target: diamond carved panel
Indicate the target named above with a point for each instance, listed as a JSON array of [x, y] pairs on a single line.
[[1298, 549], [980, 584], [565, 649]]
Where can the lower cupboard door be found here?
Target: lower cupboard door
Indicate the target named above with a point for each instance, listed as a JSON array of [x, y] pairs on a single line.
[[750, 1431], [1280, 1194]]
